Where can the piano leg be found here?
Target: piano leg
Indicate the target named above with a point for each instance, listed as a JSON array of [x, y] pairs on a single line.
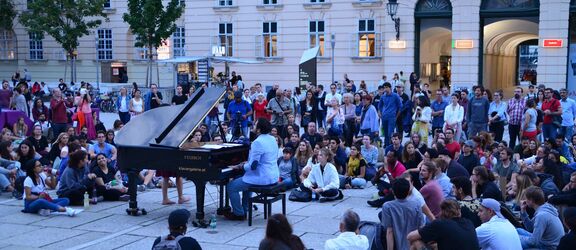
[[132, 191], [200, 192], [223, 203]]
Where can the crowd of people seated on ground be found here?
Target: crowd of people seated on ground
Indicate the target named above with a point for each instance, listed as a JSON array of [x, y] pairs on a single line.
[[455, 169]]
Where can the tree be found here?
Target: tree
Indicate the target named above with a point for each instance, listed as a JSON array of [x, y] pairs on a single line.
[[7, 14], [151, 23], [64, 20]]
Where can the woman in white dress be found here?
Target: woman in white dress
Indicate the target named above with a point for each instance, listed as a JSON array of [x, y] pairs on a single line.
[[137, 103], [453, 116]]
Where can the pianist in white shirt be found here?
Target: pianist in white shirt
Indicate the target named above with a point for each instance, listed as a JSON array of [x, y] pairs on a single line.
[[261, 169]]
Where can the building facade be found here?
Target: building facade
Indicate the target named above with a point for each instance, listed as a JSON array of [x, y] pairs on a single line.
[[499, 43]]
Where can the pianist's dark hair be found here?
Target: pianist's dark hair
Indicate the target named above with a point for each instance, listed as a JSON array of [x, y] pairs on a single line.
[[264, 126]]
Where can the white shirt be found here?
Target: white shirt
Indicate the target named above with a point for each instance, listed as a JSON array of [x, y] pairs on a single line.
[[453, 114], [347, 241], [39, 188], [326, 181], [498, 233], [330, 96]]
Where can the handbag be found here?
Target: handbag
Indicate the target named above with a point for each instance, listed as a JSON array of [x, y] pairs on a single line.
[[557, 120], [300, 196]]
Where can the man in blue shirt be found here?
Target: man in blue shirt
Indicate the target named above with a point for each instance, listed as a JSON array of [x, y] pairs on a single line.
[[238, 112], [261, 169], [389, 109], [438, 107], [568, 114]]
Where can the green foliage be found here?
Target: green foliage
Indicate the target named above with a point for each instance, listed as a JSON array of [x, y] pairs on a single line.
[[150, 22], [65, 20], [7, 14]]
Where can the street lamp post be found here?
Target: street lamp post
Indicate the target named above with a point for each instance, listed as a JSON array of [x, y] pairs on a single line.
[[96, 41], [332, 45], [392, 8]]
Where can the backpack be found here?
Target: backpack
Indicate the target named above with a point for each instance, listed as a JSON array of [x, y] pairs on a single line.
[[375, 234], [166, 244]]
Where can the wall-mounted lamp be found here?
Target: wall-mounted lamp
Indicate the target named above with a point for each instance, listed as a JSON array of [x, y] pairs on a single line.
[[392, 8]]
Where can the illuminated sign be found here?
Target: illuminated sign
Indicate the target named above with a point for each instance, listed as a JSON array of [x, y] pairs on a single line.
[[218, 50], [463, 44], [164, 50], [552, 43], [399, 44]]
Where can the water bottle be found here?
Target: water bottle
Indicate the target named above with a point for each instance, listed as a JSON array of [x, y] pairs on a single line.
[[94, 196], [213, 222], [86, 200], [313, 195]]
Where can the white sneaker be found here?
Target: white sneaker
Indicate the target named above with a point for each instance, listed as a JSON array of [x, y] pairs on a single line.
[[70, 212], [44, 212]]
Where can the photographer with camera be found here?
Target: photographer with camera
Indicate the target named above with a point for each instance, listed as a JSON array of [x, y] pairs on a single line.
[[238, 112], [279, 108]]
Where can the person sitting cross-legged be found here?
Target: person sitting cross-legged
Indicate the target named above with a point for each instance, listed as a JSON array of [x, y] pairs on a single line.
[[544, 230], [323, 178], [36, 200], [349, 237], [449, 232]]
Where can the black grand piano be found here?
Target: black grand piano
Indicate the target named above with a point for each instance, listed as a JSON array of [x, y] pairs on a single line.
[[158, 139]]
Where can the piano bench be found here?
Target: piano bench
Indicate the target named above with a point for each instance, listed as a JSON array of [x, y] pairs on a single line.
[[266, 195]]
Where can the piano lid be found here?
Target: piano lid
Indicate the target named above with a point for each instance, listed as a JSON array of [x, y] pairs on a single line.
[[170, 126]]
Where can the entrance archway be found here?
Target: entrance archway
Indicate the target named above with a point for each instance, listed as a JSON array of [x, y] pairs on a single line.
[[571, 71], [433, 52], [509, 53]]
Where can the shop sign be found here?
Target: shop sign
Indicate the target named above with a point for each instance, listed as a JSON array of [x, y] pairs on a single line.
[[463, 44]]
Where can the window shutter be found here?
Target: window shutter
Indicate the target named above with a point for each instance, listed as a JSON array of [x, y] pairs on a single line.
[[258, 46], [354, 45]]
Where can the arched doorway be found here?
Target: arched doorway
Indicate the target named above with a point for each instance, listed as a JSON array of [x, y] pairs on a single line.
[[433, 54], [571, 73], [509, 42]]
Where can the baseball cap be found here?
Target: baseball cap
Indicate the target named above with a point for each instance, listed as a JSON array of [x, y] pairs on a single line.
[[178, 218], [470, 143], [400, 85], [492, 204]]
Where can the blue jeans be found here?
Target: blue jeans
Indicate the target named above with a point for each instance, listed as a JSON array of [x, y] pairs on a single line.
[[288, 183], [36, 205], [5, 169], [388, 125], [321, 118], [567, 131], [239, 207], [58, 128], [525, 239], [549, 131], [124, 117]]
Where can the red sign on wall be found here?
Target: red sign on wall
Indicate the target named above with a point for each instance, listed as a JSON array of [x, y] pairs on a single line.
[[553, 43]]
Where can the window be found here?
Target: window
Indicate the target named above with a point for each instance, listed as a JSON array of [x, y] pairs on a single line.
[[270, 39], [317, 1], [36, 48], [317, 37], [104, 44], [7, 45], [183, 3], [107, 4], [366, 38], [179, 39], [269, 2], [225, 38], [225, 3]]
